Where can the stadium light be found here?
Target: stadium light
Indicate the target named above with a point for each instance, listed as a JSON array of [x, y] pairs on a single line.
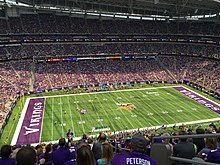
[[218, 1]]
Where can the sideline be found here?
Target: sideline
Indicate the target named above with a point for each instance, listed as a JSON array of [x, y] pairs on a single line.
[[42, 122], [18, 128], [115, 91]]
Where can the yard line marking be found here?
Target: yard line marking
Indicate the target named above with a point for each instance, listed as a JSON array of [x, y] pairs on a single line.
[[88, 116], [181, 105], [61, 110], [91, 102], [149, 108], [106, 114], [71, 115], [52, 116], [77, 107], [167, 102], [112, 111], [158, 108]]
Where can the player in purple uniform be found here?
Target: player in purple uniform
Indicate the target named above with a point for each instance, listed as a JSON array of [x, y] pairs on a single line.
[[69, 136], [136, 156]]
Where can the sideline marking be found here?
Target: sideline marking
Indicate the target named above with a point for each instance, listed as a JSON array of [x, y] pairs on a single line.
[[115, 91], [42, 121], [18, 128]]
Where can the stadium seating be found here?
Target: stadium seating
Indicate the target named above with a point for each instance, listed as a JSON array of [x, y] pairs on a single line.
[[51, 23]]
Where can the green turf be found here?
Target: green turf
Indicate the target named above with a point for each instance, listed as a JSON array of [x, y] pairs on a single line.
[[158, 107]]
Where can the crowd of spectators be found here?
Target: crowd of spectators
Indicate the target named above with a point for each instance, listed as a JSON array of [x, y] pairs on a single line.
[[95, 49], [52, 23], [121, 148]]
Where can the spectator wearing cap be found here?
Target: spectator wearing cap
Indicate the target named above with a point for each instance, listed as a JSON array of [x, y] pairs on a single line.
[[136, 155], [61, 155], [5, 155]]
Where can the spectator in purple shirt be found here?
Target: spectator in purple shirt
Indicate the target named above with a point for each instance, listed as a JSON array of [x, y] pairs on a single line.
[[61, 155], [84, 156], [214, 156], [136, 156], [72, 150], [46, 158], [5, 153]]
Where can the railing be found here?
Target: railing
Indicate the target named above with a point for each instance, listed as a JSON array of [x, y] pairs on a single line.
[[188, 136], [194, 162]]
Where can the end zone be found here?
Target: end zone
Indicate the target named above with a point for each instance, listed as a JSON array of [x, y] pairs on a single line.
[[29, 127], [199, 98]]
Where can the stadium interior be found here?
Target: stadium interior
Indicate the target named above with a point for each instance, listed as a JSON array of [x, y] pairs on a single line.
[[48, 45]]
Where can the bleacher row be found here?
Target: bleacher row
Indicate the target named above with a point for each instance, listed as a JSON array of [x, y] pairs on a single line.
[[51, 23], [21, 51]]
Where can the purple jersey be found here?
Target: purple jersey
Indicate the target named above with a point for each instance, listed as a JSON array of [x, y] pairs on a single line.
[[72, 150], [69, 134], [133, 158], [214, 156], [9, 161]]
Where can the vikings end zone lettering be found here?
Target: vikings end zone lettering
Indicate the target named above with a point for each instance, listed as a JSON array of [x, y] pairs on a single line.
[[200, 99], [31, 126]]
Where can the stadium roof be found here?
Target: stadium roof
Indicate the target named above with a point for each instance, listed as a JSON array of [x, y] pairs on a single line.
[[171, 8]]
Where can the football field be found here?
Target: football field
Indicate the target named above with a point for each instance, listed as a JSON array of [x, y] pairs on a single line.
[[120, 110]]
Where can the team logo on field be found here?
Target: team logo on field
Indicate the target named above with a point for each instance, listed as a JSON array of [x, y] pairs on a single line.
[[128, 106]]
